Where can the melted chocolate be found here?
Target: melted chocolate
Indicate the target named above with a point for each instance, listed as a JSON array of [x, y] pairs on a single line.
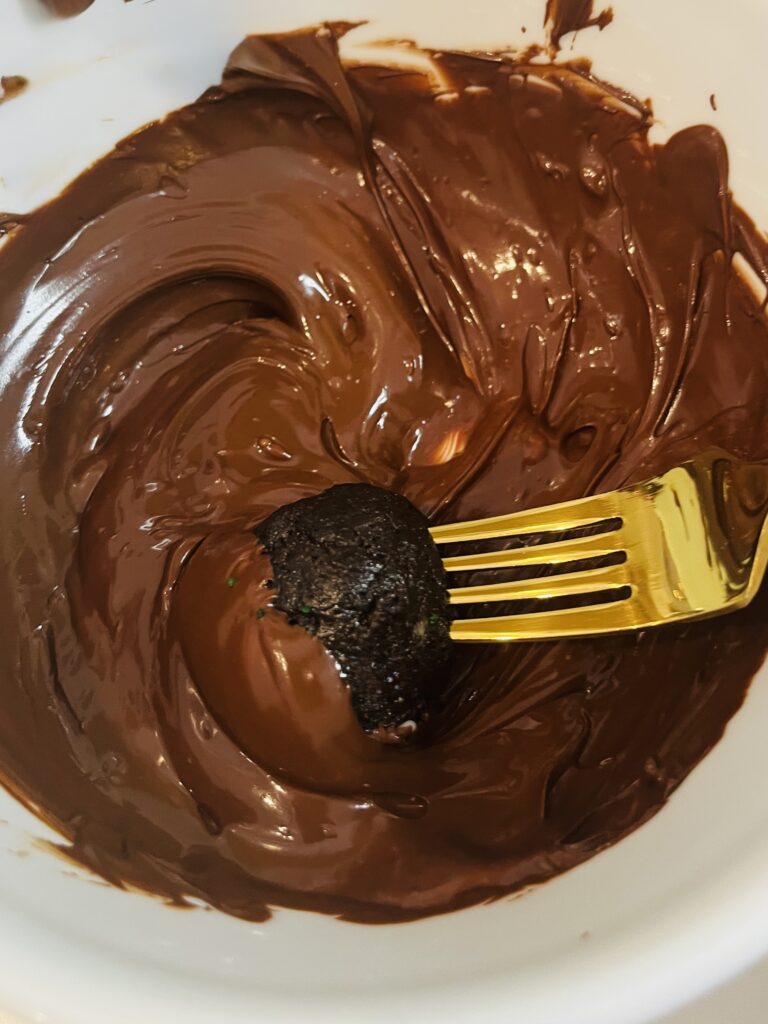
[[12, 85], [564, 16], [504, 299], [67, 8]]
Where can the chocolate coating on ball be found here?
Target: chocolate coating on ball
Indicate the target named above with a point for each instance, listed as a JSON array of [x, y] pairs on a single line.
[[356, 566]]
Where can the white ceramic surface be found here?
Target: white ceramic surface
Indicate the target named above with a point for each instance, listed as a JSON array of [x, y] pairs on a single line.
[[651, 923]]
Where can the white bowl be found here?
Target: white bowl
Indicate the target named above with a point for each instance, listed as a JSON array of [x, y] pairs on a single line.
[[675, 908]]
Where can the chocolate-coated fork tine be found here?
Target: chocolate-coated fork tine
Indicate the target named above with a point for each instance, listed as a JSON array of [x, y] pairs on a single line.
[[569, 584], [569, 515], [572, 549]]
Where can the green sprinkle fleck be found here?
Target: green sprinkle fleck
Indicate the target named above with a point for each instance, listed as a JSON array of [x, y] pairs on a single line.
[[232, 581], [260, 613], [434, 619], [305, 609]]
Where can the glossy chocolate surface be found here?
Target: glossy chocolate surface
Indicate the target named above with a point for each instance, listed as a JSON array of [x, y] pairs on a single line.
[[488, 299]]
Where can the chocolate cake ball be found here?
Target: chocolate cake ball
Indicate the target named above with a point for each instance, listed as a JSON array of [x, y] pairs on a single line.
[[357, 567]]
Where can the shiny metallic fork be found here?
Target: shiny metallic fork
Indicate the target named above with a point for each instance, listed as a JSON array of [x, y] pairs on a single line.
[[687, 545]]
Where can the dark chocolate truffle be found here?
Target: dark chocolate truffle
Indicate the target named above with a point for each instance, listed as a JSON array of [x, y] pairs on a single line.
[[357, 567]]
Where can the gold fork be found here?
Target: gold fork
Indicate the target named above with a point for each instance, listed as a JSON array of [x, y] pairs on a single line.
[[687, 545]]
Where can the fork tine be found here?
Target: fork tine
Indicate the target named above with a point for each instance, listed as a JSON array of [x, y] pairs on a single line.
[[553, 625], [572, 549], [568, 584], [566, 516]]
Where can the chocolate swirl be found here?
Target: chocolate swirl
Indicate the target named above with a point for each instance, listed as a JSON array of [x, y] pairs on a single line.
[[489, 298]]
